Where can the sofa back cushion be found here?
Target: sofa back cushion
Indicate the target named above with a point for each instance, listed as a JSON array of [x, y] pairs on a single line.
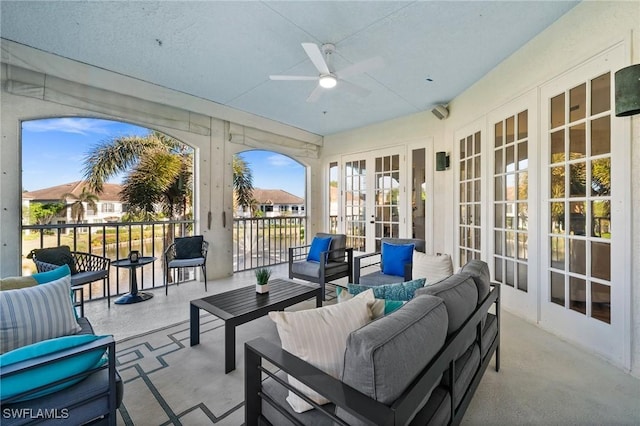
[[479, 270], [460, 296], [432, 267], [384, 357]]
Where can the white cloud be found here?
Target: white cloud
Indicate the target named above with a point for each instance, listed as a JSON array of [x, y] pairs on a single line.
[[81, 126], [281, 161]]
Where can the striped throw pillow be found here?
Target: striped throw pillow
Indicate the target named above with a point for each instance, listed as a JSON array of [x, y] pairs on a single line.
[[33, 314], [319, 336]]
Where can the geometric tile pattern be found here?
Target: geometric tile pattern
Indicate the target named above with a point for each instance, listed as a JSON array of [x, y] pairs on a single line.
[[168, 382]]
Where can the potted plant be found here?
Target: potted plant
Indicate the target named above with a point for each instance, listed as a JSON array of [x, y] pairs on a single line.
[[262, 280]]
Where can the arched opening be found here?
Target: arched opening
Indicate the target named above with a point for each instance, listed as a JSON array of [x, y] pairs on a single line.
[[106, 188], [269, 208]]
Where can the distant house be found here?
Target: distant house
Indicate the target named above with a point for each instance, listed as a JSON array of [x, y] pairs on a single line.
[[110, 207], [275, 202]]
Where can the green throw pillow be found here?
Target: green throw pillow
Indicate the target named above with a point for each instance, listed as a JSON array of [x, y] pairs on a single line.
[[14, 283]]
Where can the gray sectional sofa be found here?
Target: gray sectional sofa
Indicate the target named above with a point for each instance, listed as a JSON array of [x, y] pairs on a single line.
[[94, 400], [419, 365]]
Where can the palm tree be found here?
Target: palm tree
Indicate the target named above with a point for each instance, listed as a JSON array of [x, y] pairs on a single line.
[[242, 182], [77, 206], [159, 173]]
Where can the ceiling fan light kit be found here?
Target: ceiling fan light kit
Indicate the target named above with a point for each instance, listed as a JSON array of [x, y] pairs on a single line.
[[328, 81], [327, 78]]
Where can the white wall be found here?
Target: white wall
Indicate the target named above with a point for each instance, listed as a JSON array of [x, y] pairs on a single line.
[[588, 29]]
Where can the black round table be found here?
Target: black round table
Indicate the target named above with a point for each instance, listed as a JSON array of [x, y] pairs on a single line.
[[134, 296]]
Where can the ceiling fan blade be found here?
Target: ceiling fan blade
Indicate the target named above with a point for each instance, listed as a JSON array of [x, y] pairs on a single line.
[[361, 67], [292, 77], [353, 88], [315, 95], [316, 56]]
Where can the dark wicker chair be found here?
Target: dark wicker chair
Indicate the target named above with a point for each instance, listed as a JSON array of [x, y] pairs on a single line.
[[85, 268], [186, 252]]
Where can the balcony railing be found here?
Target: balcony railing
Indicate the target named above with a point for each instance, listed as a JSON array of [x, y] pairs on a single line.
[[265, 241], [256, 242], [114, 240]]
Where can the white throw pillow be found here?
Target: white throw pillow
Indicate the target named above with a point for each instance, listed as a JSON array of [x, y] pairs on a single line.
[[433, 268], [377, 307], [319, 336], [34, 314]]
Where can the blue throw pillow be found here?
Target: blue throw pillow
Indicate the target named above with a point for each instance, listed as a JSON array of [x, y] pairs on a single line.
[[56, 274], [395, 256], [399, 291], [46, 374], [318, 245]]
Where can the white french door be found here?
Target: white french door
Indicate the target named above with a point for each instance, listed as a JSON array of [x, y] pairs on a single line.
[[585, 289], [513, 178], [374, 197]]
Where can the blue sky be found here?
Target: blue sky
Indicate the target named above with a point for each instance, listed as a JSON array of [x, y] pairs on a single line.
[[53, 151]]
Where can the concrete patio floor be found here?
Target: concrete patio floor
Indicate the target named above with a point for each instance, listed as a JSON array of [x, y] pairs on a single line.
[[543, 380]]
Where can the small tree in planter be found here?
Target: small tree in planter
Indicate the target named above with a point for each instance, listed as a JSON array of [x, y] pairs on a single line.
[[262, 279]]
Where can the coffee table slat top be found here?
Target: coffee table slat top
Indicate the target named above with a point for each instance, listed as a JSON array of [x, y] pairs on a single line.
[[245, 300]]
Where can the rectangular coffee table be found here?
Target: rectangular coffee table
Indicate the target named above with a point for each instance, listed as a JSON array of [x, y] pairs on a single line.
[[242, 305]]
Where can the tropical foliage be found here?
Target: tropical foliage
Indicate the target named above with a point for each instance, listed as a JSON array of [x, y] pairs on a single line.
[[242, 184], [77, 206], [42, 213], [158, 173]]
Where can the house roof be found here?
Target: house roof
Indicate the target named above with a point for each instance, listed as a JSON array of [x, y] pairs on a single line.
[[275, 196], [110, 192]]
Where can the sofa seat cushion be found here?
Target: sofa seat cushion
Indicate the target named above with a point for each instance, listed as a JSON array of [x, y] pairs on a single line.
[[94, 385], [432, 267], [278, 393], [319, 337], [383, 358], [33, 314], [466, 366], [312, 269]]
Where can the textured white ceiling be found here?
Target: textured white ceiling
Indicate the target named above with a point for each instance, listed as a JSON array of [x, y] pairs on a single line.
[[225, 51]]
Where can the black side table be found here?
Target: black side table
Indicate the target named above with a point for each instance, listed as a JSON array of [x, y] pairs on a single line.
[[134, 296]]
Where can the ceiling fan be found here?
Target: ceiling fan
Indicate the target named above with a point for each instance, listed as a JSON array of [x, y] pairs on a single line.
[[321, 57]]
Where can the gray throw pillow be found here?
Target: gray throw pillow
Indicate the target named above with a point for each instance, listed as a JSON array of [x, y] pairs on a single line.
[[189, 247], [57, 256]]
